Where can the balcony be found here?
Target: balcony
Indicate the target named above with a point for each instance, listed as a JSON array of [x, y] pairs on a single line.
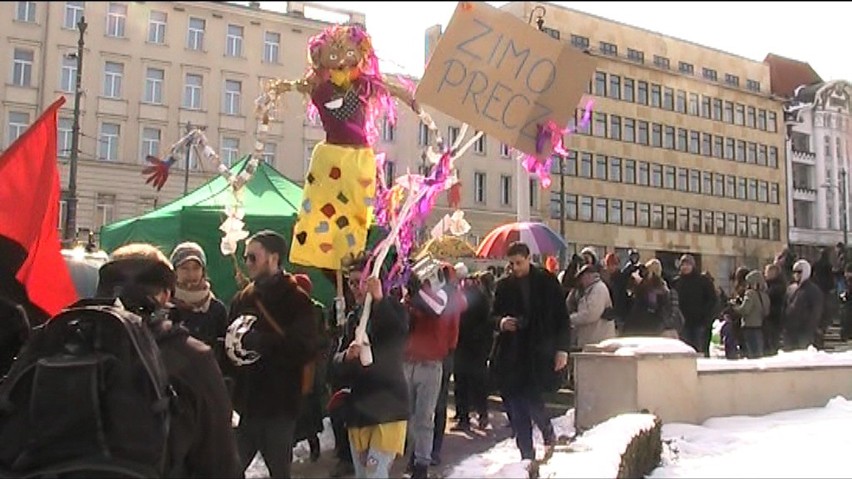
[[800, 235], [806, 157]]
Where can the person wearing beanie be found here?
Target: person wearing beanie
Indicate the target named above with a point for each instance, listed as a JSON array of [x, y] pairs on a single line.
[[201, 440], [803, 308], [617, 283], [697, 301], [196, 307]]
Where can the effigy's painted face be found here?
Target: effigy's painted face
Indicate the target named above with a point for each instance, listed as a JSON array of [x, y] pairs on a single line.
[[340, 54]]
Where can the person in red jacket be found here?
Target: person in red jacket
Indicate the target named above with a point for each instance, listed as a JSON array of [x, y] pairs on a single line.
[[433, 334]]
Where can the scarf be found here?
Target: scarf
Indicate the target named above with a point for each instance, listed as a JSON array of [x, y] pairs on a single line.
[[196, 300]]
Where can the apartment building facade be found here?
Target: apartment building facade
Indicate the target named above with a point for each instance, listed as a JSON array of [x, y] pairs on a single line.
[[149, 69], [685, 151]]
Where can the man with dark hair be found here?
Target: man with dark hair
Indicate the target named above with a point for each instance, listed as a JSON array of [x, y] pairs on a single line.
[[532, 349], [274, 321], [201, 440]]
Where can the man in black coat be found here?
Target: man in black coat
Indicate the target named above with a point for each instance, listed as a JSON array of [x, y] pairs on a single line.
[[697, 301], [803, 310], [532, 349]]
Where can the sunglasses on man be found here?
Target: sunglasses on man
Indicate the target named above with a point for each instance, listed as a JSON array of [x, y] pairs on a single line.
[[251, 258]]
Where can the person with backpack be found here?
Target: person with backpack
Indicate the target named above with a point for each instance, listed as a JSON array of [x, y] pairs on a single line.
[[273, 342], [753, 309], [110, 387]]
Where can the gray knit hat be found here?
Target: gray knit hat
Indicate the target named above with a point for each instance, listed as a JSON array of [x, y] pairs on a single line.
[[187, 251]]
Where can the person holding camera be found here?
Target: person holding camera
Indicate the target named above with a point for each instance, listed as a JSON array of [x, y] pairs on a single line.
[[651, 307], [593, 320], [531, 352]]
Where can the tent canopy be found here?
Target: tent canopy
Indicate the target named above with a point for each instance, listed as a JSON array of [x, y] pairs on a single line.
[[270, 201]]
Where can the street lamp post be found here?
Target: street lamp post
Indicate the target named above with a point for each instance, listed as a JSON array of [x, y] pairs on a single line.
[[71, 216], [562, 207], [843, 217]]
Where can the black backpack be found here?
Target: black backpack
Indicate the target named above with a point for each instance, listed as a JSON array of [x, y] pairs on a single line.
[[87, 397]]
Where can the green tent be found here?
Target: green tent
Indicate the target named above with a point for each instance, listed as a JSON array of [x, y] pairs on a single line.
[[271, 201]]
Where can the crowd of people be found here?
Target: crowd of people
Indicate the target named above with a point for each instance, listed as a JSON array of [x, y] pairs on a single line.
[[261, 374]]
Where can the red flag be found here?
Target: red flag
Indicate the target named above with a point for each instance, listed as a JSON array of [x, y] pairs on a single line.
[[32, 268]]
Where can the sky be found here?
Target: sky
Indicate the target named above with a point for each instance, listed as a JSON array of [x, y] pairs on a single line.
[[820, 34]]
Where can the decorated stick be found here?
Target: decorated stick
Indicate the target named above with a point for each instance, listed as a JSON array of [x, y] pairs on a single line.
[[340, 300]]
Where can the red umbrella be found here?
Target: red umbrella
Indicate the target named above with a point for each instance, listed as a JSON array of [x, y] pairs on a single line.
[[538, 236]]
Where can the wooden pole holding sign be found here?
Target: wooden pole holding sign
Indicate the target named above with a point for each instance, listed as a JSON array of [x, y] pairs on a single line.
[[504, 77]]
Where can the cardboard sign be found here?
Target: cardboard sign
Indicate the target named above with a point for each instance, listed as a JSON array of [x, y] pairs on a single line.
[[502, 76]]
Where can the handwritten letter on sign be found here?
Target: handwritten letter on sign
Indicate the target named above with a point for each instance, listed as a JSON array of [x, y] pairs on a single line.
[[502, 76]]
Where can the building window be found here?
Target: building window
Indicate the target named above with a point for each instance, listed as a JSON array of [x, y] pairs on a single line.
[[113, 74], [615, 212], [600, 167], [669, 178], [706, 144], [108, 142], [682, 179], [635, 55], [479, 187], [157, 27], [705, 106], [643, 215], [686, 68], [390, 172], [753, 227], [762, 191], [709, 74], [570, 206], [750, 117], [629, 213], [643, 177], [615, 169], [504, 151], [585, 165], [773, 193], [585, 213], [423, 134], [761, 155], [730, 145], [552, 32], [570, 166], [669, 139], [580, 42], [694, 181], [195, 33], [732, 80], [751, 153], [505, 190], [600, 84], [68, 77], [718, 185], [752, 190], [271, 45], [609, 49], [706, 182], [662, 62], [771, 125], [63, 210], [753, 85], [600, 125], [116, 20], [656, 95], [642, 132], [718, 145], [773, 157], [615, 87], [741, 188], [150, 142], [761, 119], [600, 210], [728, 112], [18, 123], [154, 85], [614, 127], [730, 186], [22, 68], [192, 91], [25, 12], [233, 92], [720, 223], [764, 228], [694, 140], [668, 99], [671, 218], [656, 135], [389, 131], [628, 90], [104, 210], [269, 151], [657, 216], [234, 41], [741, 151], [533, 194], [683, 219], [230, 151], [680, 102], [739, 115], [480, 146], [642, 93], [681, 139], [452, 134], [64, 131], [717, 109], [73, 14], [629, 130], [555, 210], [656, 175]]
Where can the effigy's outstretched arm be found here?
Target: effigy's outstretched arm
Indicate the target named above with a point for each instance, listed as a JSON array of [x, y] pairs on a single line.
[[406, 95]]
